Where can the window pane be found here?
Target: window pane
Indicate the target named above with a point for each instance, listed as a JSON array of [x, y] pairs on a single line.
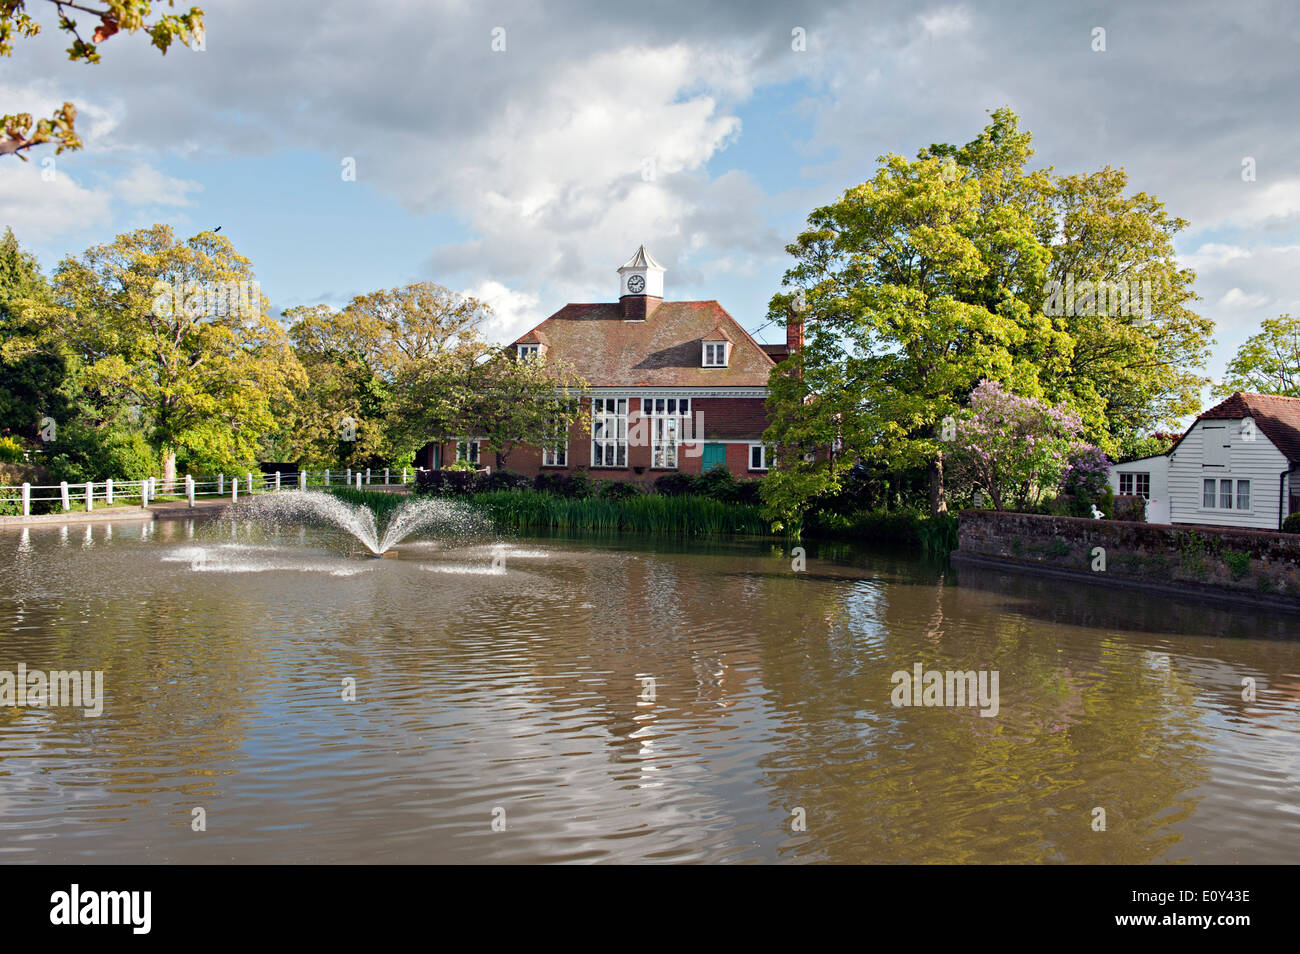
[[1125, 484], [1243, 495], [1144, 485], [1225, 494], [1208, 494]]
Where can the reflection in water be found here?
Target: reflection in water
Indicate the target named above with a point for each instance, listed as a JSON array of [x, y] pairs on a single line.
[[622, 700]]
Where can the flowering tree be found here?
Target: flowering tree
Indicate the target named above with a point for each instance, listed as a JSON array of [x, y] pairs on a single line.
[[1015, 447], [1086, 472]]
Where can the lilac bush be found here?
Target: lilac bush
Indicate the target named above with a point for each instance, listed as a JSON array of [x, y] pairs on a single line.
[[1014, 448]]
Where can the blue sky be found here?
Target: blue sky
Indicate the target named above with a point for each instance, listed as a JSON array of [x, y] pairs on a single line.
[[517, 175]]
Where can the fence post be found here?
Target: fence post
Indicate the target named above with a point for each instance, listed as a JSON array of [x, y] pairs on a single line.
[[234, 489], [327, 476], [249, 484], [367, 476], [403, 476], [189, 488], [108, 491], [347, 478], [302, 480], [221, 485], [63, 492], [277, 480], [27, 499], [153, 488], [90, 496], [144, 493], [358, 480], [385, 476]]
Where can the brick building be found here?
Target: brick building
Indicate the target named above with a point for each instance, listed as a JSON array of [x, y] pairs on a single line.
[[674, 385]]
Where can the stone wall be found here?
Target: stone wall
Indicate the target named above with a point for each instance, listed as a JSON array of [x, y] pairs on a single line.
[[1266, 563]]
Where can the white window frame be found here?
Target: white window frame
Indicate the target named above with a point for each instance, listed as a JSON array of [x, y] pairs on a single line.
[[1135, 479], [462, 449], [714, 350], [1215, 490], [666, 416], [529, 352], [763, 463], [609, 432]]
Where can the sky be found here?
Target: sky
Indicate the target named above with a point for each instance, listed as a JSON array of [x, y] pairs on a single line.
[[521, 151]]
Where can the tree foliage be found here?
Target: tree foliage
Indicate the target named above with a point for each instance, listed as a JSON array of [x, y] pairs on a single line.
[[1267, 362]]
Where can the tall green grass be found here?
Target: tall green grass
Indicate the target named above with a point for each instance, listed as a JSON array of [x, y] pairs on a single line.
[[528, 510]]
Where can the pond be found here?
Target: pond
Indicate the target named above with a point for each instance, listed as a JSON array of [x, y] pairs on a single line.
[[270, 697]]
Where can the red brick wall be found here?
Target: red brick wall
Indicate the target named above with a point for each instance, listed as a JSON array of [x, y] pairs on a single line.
[[724, 418]]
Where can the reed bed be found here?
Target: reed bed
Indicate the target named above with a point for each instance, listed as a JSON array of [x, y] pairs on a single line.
[[528, 510]]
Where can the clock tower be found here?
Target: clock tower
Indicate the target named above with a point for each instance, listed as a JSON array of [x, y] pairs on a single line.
[[640, 286]]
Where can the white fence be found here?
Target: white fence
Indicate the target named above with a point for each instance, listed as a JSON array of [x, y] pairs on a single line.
[[187, 488]]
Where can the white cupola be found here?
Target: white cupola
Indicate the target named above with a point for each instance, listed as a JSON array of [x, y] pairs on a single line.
[[641, 275]]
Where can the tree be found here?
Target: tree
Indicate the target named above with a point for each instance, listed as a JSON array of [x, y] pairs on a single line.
[[1267, 362], [20, 130], [1015, 448], [949, 269], [516, 401], [178, 332], [360, 359]]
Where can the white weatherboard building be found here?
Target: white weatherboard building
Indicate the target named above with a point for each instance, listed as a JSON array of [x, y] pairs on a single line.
[[1236, 466]]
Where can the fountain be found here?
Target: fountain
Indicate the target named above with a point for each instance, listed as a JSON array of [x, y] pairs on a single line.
[[315, 508]]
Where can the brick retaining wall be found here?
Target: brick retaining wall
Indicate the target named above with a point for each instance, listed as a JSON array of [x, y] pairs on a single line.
[[1243, 562]]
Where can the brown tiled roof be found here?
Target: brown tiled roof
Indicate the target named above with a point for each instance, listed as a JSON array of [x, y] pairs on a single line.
[[534, 337], [719, 334], [1278, 418], [664, 350], [777, 352]]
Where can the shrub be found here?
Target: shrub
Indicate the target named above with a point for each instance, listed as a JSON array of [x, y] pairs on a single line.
[[676, 484], [580, 485], [503, 480], [549, 482], [445, 483], [1132, 508], [1292, 523], [618, 490], [11, 451], [717, 484]]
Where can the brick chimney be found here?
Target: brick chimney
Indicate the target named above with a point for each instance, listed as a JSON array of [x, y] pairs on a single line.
[[794, 332]]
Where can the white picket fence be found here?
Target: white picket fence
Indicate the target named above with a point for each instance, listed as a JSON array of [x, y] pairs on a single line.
[[187, 487]]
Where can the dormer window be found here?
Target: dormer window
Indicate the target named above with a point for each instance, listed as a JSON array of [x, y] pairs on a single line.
[[529, 352], [715, 354]]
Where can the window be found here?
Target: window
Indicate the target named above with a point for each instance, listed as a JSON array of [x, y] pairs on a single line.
[[757, 457], [666, 421], [1243, 495], [467, 451], [1135, 484], [1225, 495], [1218, 494], [529, 352], [556, 455], [1207, 494], [609, 432], [715, 354]]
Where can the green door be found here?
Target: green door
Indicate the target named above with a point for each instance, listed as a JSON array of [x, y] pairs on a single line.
[[715, 455]]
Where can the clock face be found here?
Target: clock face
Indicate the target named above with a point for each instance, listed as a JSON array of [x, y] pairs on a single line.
[[636, 284]]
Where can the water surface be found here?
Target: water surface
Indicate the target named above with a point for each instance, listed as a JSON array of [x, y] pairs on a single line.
[[518, 689]]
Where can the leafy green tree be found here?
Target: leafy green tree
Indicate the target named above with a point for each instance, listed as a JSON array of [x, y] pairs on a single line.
[[938, 273], [515, 402], [20, 130], [360, 360], [1267, 362], [177, 333]]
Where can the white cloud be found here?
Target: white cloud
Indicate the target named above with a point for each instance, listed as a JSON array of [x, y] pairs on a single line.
[[1236, 298], [513, 312], [44, 207], [145, 185]]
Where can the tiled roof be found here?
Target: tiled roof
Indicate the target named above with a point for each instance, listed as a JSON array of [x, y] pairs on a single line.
[[1278, 418], [664, 350]]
